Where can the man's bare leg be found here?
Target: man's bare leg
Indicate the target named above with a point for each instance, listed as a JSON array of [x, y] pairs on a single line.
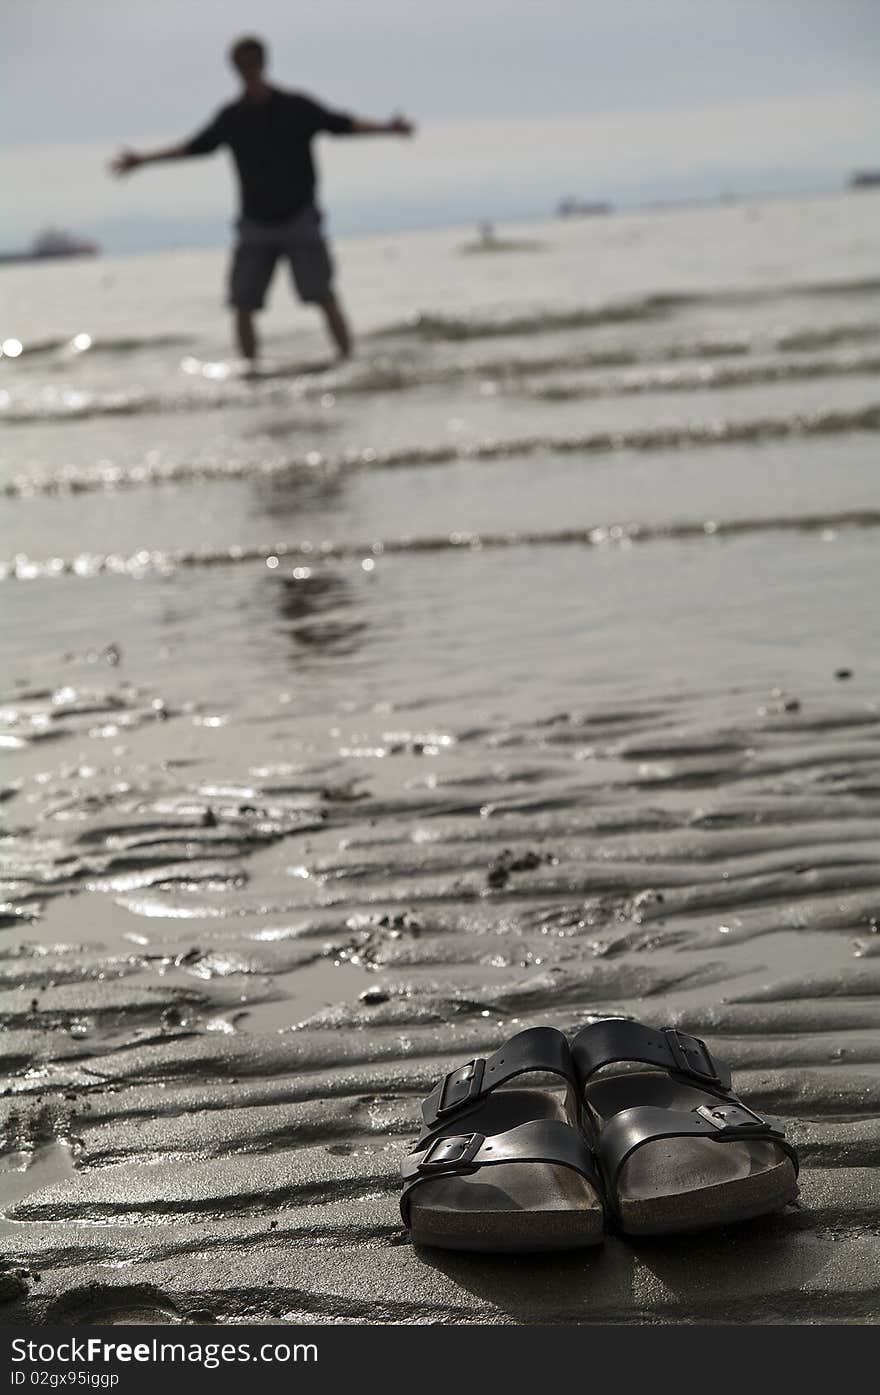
[[246, 334], [337, 325]]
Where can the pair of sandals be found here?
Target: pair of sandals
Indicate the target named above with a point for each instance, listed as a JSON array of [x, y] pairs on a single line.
[[664, 1150]]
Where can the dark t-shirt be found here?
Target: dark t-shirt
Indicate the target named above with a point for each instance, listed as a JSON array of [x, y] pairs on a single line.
[[271, 143]]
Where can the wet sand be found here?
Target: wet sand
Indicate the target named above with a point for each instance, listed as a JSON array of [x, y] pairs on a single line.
[[182, 1137], [523, 671]]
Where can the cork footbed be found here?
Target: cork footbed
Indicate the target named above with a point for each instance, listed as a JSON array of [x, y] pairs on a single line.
[[515, 1207], [685, 1184]]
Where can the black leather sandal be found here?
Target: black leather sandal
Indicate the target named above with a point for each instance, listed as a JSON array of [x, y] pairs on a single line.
[[678, 1150], [504, 1169]]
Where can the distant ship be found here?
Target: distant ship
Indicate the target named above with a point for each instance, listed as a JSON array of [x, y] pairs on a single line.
[[865, 179], [580, 208], [52, 243]]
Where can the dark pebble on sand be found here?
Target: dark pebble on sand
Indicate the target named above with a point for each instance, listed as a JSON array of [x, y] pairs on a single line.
[[500, 870], [372, 996], [403, 920], [527, 863], [498, 876]]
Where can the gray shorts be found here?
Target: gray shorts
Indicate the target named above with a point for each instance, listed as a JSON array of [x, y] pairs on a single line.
[[259, 246]]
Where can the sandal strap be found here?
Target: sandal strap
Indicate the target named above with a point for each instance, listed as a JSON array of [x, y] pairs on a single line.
[[724, 1121], [535, 1049], [540, 1141], [606, 1043]]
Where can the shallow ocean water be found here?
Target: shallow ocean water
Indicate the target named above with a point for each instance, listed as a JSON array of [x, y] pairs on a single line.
[[524, 669]]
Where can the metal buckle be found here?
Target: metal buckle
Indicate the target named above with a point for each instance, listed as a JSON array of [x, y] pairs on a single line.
[[449, 1154], [470, 1074], [683, 1048], [731, 1116]]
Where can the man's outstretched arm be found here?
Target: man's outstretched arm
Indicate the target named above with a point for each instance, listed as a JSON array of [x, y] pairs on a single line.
[[203, 143], [342, 123], [128, 160], [397, 126]]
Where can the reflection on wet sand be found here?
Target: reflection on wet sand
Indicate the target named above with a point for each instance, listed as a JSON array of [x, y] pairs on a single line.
[[313, 606]]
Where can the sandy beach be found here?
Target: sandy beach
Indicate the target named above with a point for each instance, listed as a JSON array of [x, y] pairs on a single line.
[[524, 670]]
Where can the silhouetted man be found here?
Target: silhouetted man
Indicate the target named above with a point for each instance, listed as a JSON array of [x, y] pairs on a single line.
[[270, 133]]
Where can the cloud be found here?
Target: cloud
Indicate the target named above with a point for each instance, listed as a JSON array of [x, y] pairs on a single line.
[[105, 69]]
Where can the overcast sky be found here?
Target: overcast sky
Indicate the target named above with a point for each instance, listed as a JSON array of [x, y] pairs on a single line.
[[519, 102]]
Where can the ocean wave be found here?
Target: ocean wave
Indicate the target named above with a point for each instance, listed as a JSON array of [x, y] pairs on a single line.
[[676, 436], [431, 325], [825, 336], [863, 285], [437, 325], [219, 385], [306, 553], [391, 374], [78, 344], [224, 387], [49, 403], [713, 375]]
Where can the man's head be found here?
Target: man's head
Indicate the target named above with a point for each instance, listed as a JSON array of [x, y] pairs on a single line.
[[248, 58]]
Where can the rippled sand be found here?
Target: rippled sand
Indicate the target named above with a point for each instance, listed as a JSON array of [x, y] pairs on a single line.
[[348, 730]]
